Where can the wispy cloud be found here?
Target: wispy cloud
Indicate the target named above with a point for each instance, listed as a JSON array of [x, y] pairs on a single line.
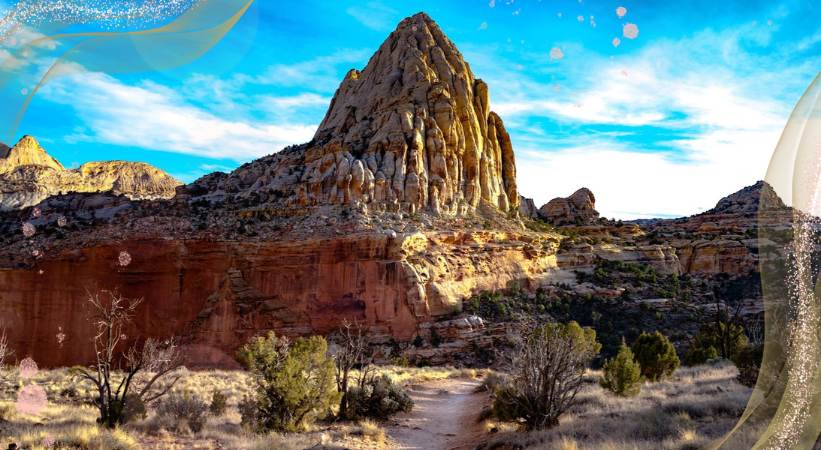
[[155, 117], [239, 117], [318, 74], [374, 15]]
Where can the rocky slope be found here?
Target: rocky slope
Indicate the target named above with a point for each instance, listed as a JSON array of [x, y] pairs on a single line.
[[403, 204], [28, 175], [411, 132], [578, 209]]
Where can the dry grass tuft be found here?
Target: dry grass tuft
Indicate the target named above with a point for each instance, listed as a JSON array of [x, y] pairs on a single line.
[[372, 431]]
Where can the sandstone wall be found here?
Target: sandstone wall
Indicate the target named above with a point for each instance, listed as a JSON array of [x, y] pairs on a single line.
[[216, 295]]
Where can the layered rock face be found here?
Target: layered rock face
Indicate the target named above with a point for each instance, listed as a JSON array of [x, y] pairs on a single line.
[[578, 209], [216, 295], [28, 175], [727, 238], [411, 132]]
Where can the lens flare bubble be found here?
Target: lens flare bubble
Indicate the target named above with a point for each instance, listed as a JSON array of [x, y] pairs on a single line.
[[28, 368], [28, 229], [630, 31], [31, 399], [124, 258]]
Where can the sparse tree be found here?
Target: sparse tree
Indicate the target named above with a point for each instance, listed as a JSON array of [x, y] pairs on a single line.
[[350, 351], [294, 382], [119, 375], [546, 372]]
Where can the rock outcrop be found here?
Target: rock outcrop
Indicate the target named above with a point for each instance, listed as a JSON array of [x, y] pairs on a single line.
[[28, 175], [578, 209], [411, 132], [402, 205], [527, 208]]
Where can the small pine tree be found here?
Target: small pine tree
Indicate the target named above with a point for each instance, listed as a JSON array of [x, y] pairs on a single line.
[[622, 374], [716, 340], [656, 355]]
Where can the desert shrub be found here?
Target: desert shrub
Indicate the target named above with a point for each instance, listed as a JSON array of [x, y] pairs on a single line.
[[546, 372], [295, 381], [656, 356], [248, 412], [622, 374], [748, 362], [219, 402], [716, 340], [134, 409], [378, 398], [491, 382], [185, 409]]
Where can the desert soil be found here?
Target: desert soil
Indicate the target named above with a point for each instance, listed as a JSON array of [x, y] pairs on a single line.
[[444, 417]]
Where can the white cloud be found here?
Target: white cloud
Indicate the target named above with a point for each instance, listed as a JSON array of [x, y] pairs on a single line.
[[154, 117], [716, 110], [373, 15], [631, 184], [296, 101]]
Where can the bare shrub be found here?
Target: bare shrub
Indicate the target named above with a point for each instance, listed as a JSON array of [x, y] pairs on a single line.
[[350, 351], [141, 366], [546, 368], [5, 349]]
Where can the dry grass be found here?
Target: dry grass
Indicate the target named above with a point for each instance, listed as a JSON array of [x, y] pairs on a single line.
[[697, 405], [69, 418], [411, 375], [62, 426], [372, 431]]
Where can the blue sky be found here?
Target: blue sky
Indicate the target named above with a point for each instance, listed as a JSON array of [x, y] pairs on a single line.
[[663, 124]]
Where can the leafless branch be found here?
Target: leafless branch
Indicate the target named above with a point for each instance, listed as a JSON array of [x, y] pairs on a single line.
[[137, 367], [5, 349]]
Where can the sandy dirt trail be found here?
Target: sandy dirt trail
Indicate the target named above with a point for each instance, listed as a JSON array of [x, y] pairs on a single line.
[[444, 417]]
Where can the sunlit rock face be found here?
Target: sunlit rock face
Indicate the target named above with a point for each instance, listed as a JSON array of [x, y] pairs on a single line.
[[411, 132], [28, 175]]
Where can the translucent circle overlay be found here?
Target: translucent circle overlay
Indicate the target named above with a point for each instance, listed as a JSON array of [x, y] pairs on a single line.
[[784, 410]]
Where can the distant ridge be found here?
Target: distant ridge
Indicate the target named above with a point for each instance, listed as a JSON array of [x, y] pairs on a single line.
[[29, 175]]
